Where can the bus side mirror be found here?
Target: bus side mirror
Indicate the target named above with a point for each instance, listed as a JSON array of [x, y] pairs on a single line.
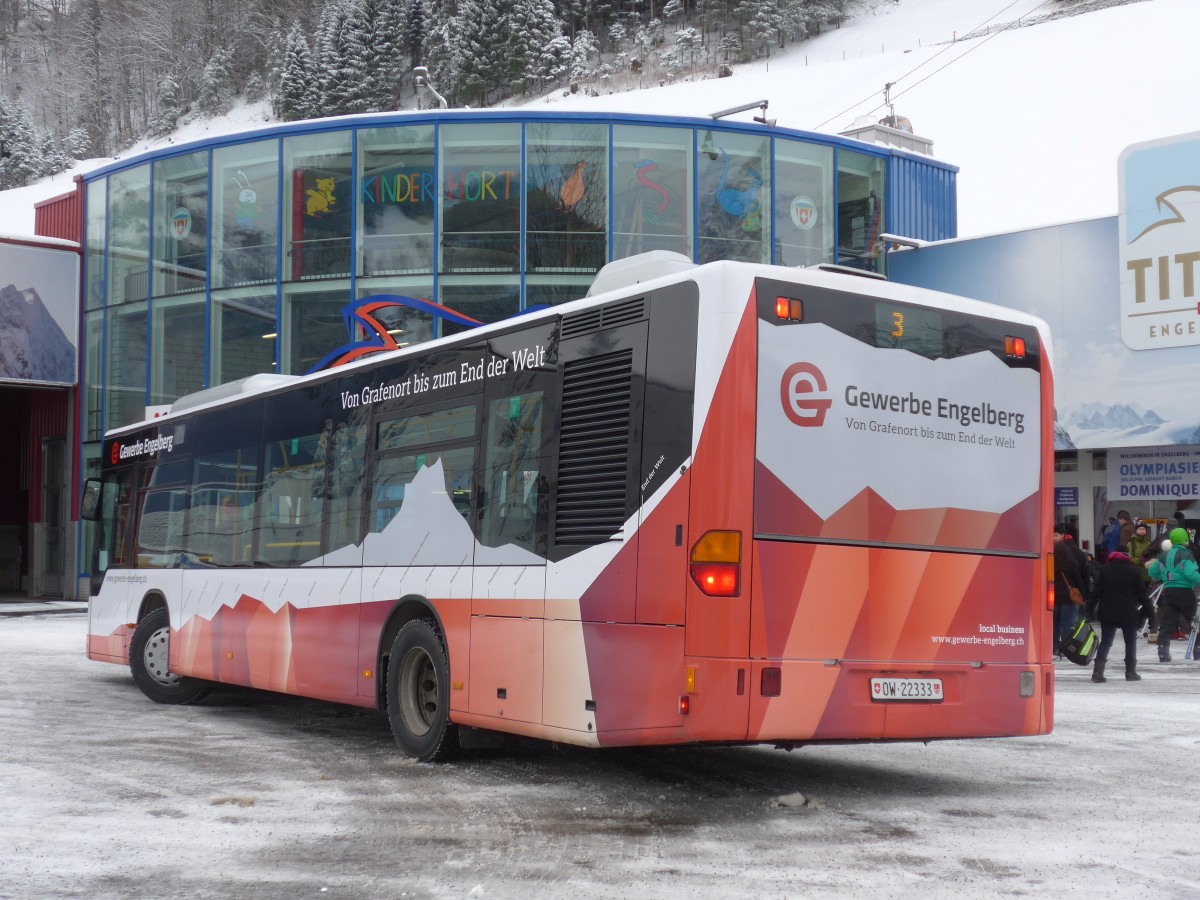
[[89, 504]]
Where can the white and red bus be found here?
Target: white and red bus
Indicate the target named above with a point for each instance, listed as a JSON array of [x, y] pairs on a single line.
[[732, 503]]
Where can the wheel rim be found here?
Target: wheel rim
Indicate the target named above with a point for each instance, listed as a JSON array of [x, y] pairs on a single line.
[[418, 691], [154, 658]]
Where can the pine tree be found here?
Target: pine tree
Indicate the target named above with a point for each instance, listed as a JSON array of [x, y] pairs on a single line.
[[371, 49], [533, 56], [414, 21], [216, 90], [484, 28], [334, 75], [22, 161], [168, 108], [77, 145], [585, 51], [297, 92]]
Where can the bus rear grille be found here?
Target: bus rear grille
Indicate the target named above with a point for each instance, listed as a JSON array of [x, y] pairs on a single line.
[[593, 449], [622, 313]]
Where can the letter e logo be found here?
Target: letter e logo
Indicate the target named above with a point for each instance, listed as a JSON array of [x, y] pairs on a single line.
[[798, 391]]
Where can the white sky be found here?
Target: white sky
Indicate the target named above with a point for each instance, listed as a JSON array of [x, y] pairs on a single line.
[[1035, 117]]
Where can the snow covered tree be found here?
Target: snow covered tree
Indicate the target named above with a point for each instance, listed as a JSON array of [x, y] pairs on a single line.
[[372, 48], [687, 46], [167, 107], [297, 92], [415, 20], [216, 84], [77, 145], [533, 28], [585, 53], [484, 29], [334, 75], [22, 161]]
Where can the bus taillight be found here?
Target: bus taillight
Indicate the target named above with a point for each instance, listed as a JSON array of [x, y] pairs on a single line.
[[717, 563], [1050, 581], [1014, 347], [789, 309]]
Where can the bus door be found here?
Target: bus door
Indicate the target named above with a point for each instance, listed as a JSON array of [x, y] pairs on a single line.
[[513, 508], [108, 611]]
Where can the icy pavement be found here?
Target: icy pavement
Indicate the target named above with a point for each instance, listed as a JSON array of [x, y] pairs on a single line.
[[105, 794]]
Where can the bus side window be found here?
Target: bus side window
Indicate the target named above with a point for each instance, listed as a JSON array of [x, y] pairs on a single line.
[[517, 499], [427, 438], [224, 485], [348, 462], [296, 482], [394, 473], [160, 529]]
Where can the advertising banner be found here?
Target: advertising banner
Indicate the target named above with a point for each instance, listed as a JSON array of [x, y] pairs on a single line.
[[39, 312], [1160, 243], [884, 444], [1154, 473]]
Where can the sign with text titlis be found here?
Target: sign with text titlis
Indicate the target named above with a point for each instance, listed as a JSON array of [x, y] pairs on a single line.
[[1160, 243]]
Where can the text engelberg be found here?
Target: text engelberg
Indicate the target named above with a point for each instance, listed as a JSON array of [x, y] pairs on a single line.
[[963, 413]]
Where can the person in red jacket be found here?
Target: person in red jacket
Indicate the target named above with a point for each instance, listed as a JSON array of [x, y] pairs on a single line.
[[1120, 603]]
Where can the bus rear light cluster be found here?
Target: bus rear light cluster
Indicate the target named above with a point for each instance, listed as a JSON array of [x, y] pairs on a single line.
[[789, 309], [1014, 347], [716, 563], [1050, 581]]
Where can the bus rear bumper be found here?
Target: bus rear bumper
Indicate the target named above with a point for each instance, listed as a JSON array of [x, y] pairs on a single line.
[[844, 700]]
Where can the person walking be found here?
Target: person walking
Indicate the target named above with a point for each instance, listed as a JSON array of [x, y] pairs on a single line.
[[1119, 604], [1176, 568], [1137, 549], [1067, 574], [1126, 523]]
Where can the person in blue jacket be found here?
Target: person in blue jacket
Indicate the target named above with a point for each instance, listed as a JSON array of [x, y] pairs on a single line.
[[1176, 568]]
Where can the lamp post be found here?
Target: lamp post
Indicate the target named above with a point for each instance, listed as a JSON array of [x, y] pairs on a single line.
[[757, 104], [421, 78]]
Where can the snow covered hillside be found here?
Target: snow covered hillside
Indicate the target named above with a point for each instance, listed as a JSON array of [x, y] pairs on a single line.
[[1034, 105]]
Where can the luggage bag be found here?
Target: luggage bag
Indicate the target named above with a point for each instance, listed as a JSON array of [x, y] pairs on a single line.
[[1081, 644]]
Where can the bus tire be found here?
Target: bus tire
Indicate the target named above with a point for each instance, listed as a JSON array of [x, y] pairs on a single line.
[[148, 663], [418, 693]]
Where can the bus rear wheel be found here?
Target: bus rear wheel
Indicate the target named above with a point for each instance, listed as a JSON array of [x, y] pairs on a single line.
[[148, 652], [418, 693]]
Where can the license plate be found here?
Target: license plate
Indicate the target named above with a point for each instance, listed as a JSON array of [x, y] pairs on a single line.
[[902, 690]]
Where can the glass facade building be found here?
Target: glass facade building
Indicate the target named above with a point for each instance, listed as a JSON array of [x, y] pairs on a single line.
[[236, 255]]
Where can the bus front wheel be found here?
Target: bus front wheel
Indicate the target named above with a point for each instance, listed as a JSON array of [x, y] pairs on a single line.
[[418, 693], [148, 651]]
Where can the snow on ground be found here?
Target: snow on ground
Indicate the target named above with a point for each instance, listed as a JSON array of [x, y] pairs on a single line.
[[1034, 116], [106, 794]]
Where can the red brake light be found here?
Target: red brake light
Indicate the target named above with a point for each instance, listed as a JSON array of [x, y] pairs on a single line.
[[717, 579], [716, 563], [1014, 346], [788, 308]]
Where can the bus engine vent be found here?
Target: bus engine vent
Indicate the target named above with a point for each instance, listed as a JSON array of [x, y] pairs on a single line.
[[610, 316], [593, 449]]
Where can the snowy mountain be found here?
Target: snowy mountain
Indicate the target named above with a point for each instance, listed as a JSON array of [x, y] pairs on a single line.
[[32, 346]]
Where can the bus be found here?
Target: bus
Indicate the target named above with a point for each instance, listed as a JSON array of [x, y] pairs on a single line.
[[729, 503]]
